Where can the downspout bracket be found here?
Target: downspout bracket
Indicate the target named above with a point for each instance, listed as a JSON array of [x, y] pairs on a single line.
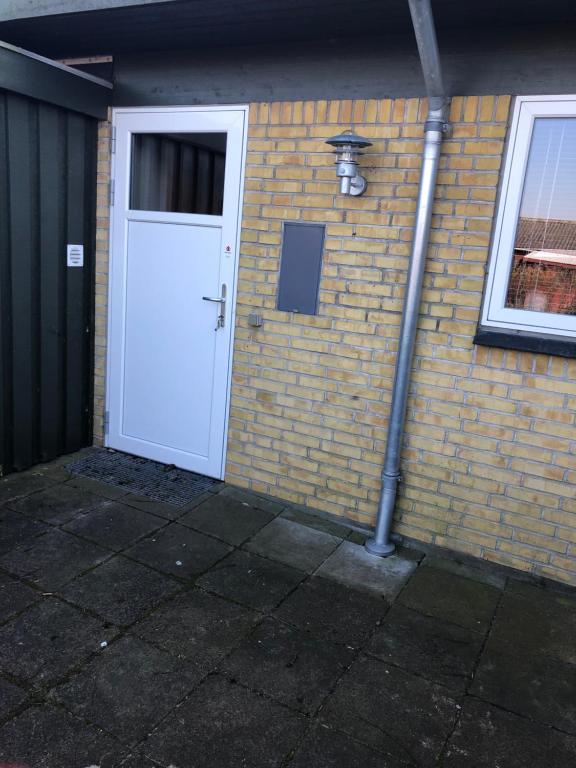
[[437, 125]]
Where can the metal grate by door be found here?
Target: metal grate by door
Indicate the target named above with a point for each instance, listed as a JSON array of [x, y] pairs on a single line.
[[159, 482]]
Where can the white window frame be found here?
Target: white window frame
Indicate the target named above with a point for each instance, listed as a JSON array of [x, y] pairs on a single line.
[[494, 313]]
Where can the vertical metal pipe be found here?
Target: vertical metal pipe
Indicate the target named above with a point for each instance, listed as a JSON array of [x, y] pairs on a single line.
[[425, 33], [434, 129]]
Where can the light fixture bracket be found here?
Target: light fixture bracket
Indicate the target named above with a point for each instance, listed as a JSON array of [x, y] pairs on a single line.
[[358, 185]]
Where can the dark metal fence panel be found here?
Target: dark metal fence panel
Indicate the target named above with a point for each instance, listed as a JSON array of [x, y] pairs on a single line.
[[47, 200]]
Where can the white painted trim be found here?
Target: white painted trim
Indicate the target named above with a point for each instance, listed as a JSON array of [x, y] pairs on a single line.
[[168, 217], [179, 108], [244, 108], [494, 312]]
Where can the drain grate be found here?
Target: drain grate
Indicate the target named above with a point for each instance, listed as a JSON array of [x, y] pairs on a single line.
[[143, 477]]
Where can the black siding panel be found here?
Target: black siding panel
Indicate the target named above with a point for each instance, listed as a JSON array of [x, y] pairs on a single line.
[[23, 154], [52, 159], [47, 199], [6, 426], [74, 280]]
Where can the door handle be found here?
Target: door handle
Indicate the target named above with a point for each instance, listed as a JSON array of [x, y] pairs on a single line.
[[222, 301]]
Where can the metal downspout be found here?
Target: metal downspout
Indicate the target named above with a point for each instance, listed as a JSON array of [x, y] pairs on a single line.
[[434, 130]]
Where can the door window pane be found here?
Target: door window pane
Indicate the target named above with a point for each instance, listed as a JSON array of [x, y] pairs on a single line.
[[543, 274], [178, 172]]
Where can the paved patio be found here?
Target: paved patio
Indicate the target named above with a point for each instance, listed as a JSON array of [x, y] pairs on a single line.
[[237, 631]]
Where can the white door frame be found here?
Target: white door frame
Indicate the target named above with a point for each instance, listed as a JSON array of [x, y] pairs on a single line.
[[232, 289]]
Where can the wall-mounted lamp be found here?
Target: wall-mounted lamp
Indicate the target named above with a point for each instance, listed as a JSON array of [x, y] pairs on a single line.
[[348, 146]]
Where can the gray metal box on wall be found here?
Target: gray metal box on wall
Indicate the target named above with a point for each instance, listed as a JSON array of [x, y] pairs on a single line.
[[300, 268]]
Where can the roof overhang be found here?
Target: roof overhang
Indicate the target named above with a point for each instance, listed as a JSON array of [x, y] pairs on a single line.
[[40, 78], [13, 10], [80, 28]]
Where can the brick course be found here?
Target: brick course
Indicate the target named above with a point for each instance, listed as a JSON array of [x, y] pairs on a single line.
[[489, 461]]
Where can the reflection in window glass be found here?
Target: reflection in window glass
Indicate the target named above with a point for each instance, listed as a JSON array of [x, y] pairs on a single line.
[[178, 172], [543, 275]]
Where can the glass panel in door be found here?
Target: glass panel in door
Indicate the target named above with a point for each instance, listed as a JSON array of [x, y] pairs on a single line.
[[178, 172]]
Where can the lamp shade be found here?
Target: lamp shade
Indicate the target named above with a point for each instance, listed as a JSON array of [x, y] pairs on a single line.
[[348, 139]]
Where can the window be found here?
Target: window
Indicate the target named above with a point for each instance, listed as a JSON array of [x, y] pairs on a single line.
[[178, 172], [531, 283]]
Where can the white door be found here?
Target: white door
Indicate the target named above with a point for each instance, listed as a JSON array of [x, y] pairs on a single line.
[[174, 237]]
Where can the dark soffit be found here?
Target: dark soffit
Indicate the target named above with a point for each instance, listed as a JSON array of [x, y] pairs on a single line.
[[201, 24]]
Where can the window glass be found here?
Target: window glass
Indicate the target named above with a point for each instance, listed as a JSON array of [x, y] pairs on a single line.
[[178, 172], [543, 273]]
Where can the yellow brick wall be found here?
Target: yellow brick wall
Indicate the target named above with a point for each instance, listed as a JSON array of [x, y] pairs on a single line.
[[490, 453], [101, 300]]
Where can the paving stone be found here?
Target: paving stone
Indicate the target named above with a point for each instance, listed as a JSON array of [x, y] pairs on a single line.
[[251, 580], [159, 508], [326, 748], [440, 651], [180, 551], [14, 596], [485, 575], [53, 559], [318, 522], [139, 761], [406, 717], [353, 566], [54, 471], [332, 611], [21, 484], [112, 492], [535, 686], [120, 590], [152, 683], [11, 696], [252, 499], [49, 638], [523, 585], [293, 544], [356, 537], [57, 504], [198, 627], [486, 736], [197, 500], [227, 518], [394, 715], [450, 597], [288, 664], [114, 525], [69, 458], [222, 724], [410, 553], [48, 737], [540, 621], [16, 529]]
